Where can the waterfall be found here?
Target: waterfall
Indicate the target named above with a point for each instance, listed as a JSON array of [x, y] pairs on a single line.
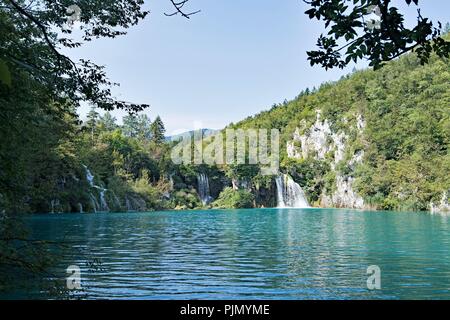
[[289, 193], [116, 199], [54, 203], [94, 202], [101, 205], [172, 183], [128, 204], [203, 188], [89, 176]]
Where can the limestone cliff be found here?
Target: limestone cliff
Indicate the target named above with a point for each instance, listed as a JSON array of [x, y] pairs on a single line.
[[319, 141]]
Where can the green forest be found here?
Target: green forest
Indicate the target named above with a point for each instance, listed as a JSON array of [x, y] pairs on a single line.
[[394, 121], [99, 201]]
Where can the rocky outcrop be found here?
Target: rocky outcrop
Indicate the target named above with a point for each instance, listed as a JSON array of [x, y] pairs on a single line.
[[241, 184], [443, 206], [320, 142], [134, 203], [317, 141], [344, 196]]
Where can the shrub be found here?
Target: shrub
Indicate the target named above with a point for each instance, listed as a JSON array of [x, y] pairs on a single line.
[[235, 199]]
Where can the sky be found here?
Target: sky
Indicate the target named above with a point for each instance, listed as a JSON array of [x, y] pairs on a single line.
[[233, 59]]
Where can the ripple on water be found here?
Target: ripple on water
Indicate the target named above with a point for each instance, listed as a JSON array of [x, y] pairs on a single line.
[[256, 254]]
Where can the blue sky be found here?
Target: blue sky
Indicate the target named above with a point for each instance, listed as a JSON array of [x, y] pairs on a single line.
[[232, 60]]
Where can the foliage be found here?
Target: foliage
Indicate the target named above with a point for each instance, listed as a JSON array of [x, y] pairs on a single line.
[[310, 174], [236, 199], [137, 126], [157, 131], [34, 30], [45, 150], [43, 145], [378, 40], [150, 193], [185, 199], [405, 107]]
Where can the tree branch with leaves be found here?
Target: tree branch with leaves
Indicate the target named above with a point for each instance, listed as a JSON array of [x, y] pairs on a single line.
[[36, 31], [353, 36]]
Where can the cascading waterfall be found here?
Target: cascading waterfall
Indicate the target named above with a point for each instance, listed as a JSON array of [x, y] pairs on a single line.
[[116, 199], [98, 206], [89, 176], [103, 203], [94, 202], [54, 203], [289, 193], [128, 204], [172, 183], [203, 188]]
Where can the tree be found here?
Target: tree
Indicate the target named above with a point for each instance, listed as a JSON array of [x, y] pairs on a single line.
[[43, 26], [354, 35], [157, 131], [129, 126], [137, 126], [108, 122], [447, 27], [40, 90], [91, 122], [236, 199]]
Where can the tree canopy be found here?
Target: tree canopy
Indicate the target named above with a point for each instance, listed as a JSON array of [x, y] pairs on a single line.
[[353, 35], [158, 131], [35, 32]]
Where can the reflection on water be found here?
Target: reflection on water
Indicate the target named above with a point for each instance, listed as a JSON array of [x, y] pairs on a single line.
[[257, 254]]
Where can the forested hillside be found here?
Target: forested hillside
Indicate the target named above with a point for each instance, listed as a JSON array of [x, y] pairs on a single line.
[[374, 139]]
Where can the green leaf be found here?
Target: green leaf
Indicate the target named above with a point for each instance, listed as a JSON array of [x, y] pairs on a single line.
[[5, 74]]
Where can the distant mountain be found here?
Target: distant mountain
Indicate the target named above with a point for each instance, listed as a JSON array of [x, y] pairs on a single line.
[[206, 133]]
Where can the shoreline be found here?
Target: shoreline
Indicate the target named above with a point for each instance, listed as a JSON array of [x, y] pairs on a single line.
[[444, 214]]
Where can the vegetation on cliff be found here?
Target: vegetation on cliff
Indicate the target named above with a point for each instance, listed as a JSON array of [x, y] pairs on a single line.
[[396, 118], [403, 140]]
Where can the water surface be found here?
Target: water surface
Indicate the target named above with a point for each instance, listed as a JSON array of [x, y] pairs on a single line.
[[255, 254]]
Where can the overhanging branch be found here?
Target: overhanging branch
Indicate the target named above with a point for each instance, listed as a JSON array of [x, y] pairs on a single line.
[[178, 9]]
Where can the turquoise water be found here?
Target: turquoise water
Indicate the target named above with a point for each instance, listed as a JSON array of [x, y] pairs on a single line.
[[256, 254]]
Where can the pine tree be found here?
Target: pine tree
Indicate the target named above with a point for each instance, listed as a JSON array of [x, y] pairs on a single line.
[[144, 125], [137, 126], [91, 122], [158, 130], [447, 27], [108, 122], [130, 125]]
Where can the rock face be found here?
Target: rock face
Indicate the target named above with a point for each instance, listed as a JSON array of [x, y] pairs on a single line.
[[344, 196], [443, 206], [241, 184], [318, 141], [133, 203]]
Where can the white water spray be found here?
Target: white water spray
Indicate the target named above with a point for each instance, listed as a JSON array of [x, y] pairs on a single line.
[[101, 206], [203, 188], [289, 193]]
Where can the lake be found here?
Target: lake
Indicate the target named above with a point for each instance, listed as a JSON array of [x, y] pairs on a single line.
[[254, 254]]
